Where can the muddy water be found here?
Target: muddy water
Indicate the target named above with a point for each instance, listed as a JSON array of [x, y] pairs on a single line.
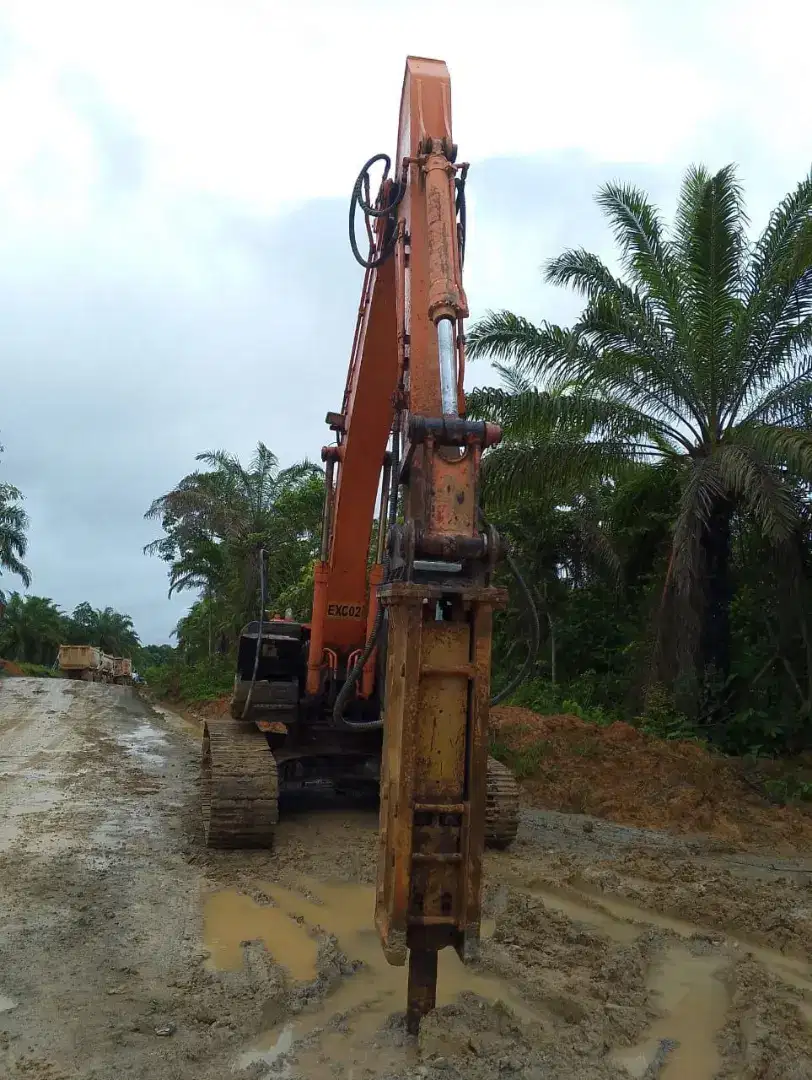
[[694, 1002], [618, 918], [366, 999], [230, 918], [685, 984], [144, 743], [686, 988]]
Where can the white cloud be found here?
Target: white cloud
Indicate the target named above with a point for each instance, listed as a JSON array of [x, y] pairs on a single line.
[[174, 273]]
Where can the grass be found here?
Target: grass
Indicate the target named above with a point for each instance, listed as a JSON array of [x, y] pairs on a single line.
[[523, 762], [38, 671], [199, 682]]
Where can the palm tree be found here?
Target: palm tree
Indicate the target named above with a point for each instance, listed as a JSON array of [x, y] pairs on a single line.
[[13, 540], [217, 521], [108, 630], [695, 362], [31, 629]]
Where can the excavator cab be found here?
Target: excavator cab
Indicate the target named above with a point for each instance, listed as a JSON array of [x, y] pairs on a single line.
[[268, 680]]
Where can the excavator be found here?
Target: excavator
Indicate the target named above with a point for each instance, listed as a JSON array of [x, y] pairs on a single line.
[[388, 685]]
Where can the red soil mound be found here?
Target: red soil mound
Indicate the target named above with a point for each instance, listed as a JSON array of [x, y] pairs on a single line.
[[621, 774]]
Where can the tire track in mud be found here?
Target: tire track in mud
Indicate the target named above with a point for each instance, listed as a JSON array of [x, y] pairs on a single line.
[[128, 949]]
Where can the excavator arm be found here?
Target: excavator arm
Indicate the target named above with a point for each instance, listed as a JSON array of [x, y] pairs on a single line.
[[426, 604]]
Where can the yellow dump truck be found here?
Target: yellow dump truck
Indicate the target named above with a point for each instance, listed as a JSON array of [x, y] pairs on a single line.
[[90, 664], [122, 670]]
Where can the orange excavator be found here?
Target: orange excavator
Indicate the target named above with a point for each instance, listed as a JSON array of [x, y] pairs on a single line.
[[389, 683]]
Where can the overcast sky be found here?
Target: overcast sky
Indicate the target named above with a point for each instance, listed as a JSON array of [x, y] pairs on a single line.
[[174, 178]]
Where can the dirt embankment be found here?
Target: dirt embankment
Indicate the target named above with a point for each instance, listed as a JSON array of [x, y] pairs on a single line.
[[623, 775], [129, 950], [8, 667]]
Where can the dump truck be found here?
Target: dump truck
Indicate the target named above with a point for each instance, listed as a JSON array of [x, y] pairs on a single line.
[[122, 670], [90, 664]]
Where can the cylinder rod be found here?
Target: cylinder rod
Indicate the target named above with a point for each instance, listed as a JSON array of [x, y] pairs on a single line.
[[421, 995], [383, 511], [327, 515], [448, 366]]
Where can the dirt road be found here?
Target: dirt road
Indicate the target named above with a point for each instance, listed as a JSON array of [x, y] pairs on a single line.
[[127, 950]]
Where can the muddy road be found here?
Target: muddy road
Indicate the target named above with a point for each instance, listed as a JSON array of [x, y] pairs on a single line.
[[128, 950]]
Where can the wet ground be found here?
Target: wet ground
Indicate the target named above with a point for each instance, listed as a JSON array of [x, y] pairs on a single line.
[[128, 950]]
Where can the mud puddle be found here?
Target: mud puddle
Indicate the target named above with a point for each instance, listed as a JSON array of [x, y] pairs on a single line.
[[686, 987], [623, 921], [144, 743], [694, 1003], [341, 1028]]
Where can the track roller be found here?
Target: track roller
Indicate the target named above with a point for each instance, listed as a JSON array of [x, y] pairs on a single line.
[[502, 808], [239, 786]]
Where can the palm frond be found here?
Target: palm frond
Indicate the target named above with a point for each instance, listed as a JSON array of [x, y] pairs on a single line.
[[504, 336], [646, 254], [779, 446], [709, 242], [758, 489], [777, 292]]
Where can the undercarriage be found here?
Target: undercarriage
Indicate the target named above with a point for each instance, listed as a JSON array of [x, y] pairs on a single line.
[[244, 778], [279, 742]]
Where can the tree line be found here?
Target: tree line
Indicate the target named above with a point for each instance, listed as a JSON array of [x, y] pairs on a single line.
[[33, 627], [653, 483]]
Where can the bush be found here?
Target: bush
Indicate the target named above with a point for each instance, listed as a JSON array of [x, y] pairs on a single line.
[[542, 697], [38, 671], [204, 680]]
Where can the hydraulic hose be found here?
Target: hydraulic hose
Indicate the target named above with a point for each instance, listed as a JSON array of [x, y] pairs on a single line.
[[361, 198], [354, 675], [350, 682], [247, 705]]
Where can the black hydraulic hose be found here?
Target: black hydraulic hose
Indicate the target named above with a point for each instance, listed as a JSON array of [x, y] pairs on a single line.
[[358, 199], [355, 674], [247, 705], [350, 682], [462, 213]]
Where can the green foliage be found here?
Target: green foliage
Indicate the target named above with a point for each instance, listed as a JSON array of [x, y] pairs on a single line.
[[33, 627], [674, 416], [39, 671], [201, 681], [216, 522], [108, 630], [574, 699], [789, 789], [13, 534], [522, 763], [153, 656], [662, 719]]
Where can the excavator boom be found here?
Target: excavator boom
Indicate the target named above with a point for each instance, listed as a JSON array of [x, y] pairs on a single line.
[[430, 588], [390, 680]]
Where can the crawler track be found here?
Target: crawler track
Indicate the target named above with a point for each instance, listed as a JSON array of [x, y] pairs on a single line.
[[239, 786], [502, 808]]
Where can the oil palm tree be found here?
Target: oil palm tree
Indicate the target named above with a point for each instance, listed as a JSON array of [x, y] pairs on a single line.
[[695, 359], [109, 630], [31, 629], [13, 540], [217, 520]]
